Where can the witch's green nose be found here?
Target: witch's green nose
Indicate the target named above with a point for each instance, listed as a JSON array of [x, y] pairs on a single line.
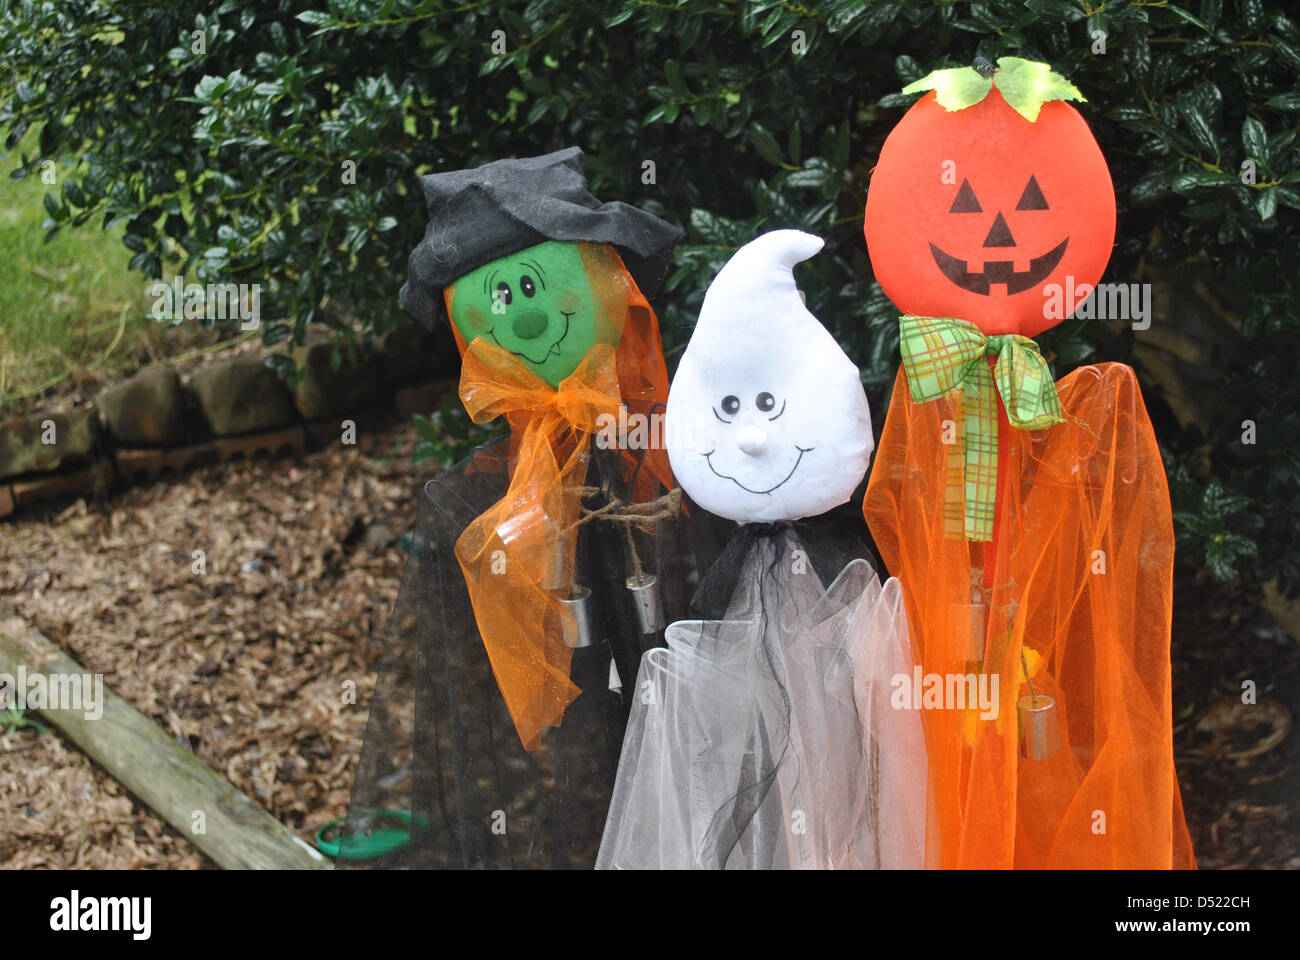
[[529, 324]]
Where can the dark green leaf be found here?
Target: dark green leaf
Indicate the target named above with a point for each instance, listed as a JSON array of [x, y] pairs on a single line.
[[1060, 10], [1180, 12], [1254, 139], [1285, 101], [676, 78], [1267, 203], [765, 144], [908, 69], [1198, 126], [316, 18]]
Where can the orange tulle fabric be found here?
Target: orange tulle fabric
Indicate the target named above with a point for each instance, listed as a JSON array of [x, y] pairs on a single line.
[[1075, 588], [515, 556]]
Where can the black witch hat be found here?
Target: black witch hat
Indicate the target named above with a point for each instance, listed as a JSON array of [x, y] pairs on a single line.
[[478, 215]]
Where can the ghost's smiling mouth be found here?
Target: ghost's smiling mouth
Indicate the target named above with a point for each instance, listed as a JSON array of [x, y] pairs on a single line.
[[998, 271], [552, 351], [798, 460]]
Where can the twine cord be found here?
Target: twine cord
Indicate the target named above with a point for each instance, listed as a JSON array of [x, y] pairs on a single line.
[[642, 516]]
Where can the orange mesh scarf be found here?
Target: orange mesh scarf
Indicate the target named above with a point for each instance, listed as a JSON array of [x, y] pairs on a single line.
[[1076, 586], [513, 554]]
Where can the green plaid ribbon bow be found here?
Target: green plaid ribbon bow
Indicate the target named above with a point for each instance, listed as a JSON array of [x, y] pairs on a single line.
[[943, 354]]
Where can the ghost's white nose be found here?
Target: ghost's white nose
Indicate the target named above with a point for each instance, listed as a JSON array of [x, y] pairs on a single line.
[[752, 441]]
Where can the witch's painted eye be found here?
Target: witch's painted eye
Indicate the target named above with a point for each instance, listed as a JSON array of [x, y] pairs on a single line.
[[503, 293], [731, 405], [765, 402], [526, 285]]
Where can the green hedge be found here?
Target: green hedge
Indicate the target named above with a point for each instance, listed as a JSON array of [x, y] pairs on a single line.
[[231, 160]]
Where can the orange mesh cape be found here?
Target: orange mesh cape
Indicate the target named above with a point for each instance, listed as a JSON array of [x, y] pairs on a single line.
[[514, 555], [1076, 586]]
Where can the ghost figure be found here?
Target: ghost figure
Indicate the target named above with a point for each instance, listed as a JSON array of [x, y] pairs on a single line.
[[765, 734], [766, 418]]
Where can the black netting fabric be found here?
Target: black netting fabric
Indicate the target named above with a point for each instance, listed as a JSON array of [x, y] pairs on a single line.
[[762, 735], [441, 759]]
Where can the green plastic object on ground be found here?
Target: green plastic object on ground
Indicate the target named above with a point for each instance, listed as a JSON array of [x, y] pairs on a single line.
[[391, 832]]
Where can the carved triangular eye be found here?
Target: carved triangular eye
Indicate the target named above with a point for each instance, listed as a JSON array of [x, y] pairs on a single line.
[[1032, 198], [965, 201]]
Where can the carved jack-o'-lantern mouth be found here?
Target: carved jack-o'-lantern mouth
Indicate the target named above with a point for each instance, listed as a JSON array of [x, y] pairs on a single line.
[[999, 235], [999, 271]]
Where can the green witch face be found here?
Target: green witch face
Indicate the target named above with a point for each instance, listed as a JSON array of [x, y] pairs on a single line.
[[547, 304]]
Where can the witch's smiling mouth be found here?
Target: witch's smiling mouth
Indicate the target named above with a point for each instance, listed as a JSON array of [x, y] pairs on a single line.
[[553, 351], [802, 451], [999, 271]]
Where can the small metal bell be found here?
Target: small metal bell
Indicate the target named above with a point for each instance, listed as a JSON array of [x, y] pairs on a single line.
[[577, 623], [525, 525], [1040, 733], [649, 605], [559, 573], [977, 614]]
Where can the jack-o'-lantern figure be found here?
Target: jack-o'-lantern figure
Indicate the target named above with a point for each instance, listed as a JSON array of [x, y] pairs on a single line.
[[976, 213], [1028, 521]]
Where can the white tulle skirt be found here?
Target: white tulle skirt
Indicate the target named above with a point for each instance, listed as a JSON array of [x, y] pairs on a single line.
[[766, 739]]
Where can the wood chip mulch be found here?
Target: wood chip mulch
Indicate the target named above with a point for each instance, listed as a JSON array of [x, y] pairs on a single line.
[[248, 663], [1238, 763]]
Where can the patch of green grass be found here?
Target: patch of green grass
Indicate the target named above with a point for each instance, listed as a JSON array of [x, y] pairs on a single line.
[[69, 309]]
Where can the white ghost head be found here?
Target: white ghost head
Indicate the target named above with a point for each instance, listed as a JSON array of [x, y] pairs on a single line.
[[766, 418]]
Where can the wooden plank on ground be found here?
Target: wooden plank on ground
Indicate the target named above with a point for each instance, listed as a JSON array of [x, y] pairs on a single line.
[[169, 779]]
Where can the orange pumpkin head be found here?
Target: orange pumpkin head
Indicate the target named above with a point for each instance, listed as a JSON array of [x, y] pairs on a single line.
[[982, 214]]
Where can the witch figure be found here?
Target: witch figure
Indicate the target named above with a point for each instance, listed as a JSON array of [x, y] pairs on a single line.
[[545, 563], [763, 735]]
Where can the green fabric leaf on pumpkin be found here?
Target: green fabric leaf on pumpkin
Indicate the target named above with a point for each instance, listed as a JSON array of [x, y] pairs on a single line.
[[956, 88], [1026, 85]]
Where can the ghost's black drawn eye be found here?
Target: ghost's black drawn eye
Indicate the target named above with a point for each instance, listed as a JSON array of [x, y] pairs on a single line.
[[767, 403], [527, 286], [503, 294], [730, 406]]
